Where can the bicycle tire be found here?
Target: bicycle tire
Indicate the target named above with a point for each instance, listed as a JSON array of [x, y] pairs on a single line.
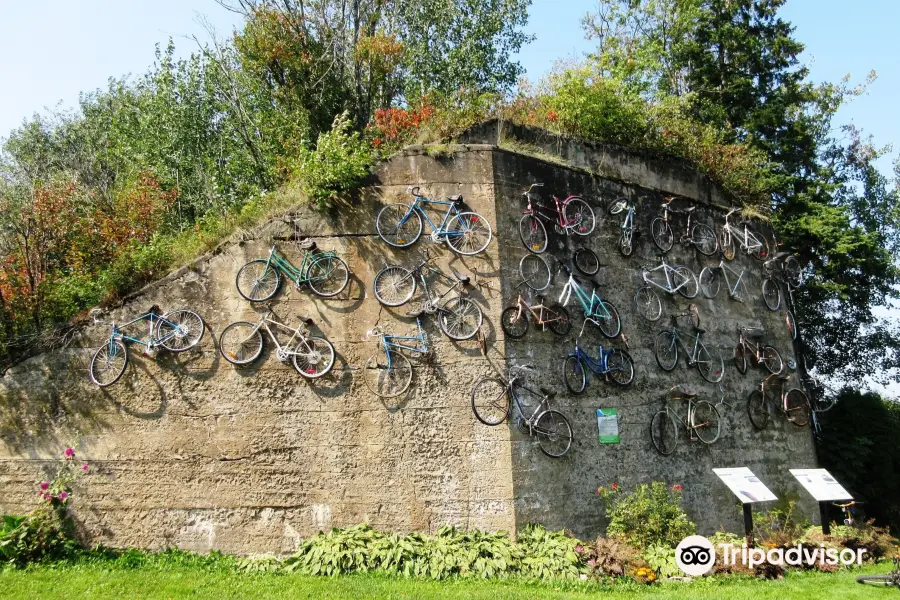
[[476, 236], [791, 324], [758, 409], [620, 367], [513, 322], [626, 243], [269, 277], [398, 225], [387, 382], [610, 326], [115, 366], [616, 205], [691, 288], [792, 271], [322, 357], [726, 243], [666, 350], [535, 272], [887, 580], [704, 239], [460, 318], [647, 303], [586, 261], [533, 234], [662, 234], [771, 294], [740, 358], [587, 223], [327, 269], [574, 374], [710, 282], [771, 360], [711, 367], [797, 407], [561, 322], [711, 428], [551, 426], [394, 285], [189, 327], [490, 393], [663, 433], [245, 347]]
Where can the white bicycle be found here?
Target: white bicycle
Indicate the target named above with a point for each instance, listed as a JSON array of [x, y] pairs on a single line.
[[750, 242], [678, 279], [711, 281]]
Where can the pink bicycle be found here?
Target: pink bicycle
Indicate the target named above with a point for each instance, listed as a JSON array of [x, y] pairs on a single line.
[[570, 215]]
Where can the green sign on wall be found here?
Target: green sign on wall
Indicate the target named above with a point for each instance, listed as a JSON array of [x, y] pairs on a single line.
[[608, 425]]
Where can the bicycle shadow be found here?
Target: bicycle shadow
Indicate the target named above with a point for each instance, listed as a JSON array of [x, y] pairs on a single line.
[[336, 382], [142, 379]]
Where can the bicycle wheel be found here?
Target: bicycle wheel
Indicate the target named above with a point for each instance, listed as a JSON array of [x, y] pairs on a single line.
[[771, 359], [574, 374], [394, 285], [399, 225], [727, 245], [666, 350], [710, 363], [609, 322], [554, 433], [740, 358], [890, 579], [108, 363], [577, 211], [626, 242], [179, 330], [760, 250], [662, 234], [257, 281], [586, 261], [705, 422], [384, 379], [534, 272], [533, 234], [771, 294], [620, 367], [710, 281], [514, 322], [468, 233], [460, 318], [663, 433], [797, 407], [490, 401], [686, 282], [792, 271], [791, 324], [239, 344], [757, 409], [313, 357], [647, 303], [704, 239], [559, 322], [616, 205], [327, 275]]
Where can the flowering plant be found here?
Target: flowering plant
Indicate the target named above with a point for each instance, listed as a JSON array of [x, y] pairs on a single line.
[[651, 514], [58, 491]]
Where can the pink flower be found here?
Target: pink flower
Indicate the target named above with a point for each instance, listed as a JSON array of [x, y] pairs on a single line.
[[677, 487], [84, 467], [579, 548], [45, 485], [70, 453], [62, 496], [47, 496], [592, 563], [614, 486]]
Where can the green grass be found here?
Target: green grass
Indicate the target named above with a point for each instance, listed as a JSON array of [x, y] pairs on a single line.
[[109, 580]]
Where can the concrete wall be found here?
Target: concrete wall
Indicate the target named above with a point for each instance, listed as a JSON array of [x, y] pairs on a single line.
[[188, 450]]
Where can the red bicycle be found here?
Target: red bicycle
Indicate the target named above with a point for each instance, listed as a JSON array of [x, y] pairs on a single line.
[[572, 215]]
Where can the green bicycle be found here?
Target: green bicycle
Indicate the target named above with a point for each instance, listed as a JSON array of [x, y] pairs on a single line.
[[325, 273]]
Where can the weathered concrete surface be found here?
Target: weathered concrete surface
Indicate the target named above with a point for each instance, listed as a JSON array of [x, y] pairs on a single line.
[[188, 450]]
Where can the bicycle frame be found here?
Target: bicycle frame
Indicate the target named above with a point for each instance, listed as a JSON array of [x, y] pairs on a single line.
[[441, 229], [150, 342], [540, 211], [537, 311], [295, 274], [589, 304], [421, 271], [676, 339], [725, 270], [396, 342], [668, 272], [745, 238], [283, 350], [598, 366], [539, 409]]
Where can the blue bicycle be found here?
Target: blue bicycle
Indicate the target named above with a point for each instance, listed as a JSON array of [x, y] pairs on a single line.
[[596, 310], [465, 232], [388, 372], [611, 363], [175, 331]]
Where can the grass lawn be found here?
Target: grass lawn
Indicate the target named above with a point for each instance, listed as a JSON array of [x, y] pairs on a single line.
[[176, 581]]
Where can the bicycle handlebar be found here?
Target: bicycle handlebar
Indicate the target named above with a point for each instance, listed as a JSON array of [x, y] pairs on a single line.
[[533, 185], [414, 190]]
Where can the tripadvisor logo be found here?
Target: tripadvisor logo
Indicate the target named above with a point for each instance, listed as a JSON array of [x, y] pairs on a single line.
[[696, 555]]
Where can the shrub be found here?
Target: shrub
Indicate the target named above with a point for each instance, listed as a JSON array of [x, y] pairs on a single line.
[[548, 554], [339, 163], [780, 526], [610, 557], [651, 514], [661, 559]]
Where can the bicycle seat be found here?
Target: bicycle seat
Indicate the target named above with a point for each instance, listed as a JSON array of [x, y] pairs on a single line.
[[784, 377], [689, 209], [698, 330], [461, 278], [415, 313], [308, 244], [548, 393], [457, 199], [754, 332], [154, 310], [688, 394], [782, 254]]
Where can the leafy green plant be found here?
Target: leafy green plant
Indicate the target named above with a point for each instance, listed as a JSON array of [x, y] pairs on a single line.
[[781, 525], [610, 557], [547, 554], [661, 559], [651, 514], [337, 552]]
